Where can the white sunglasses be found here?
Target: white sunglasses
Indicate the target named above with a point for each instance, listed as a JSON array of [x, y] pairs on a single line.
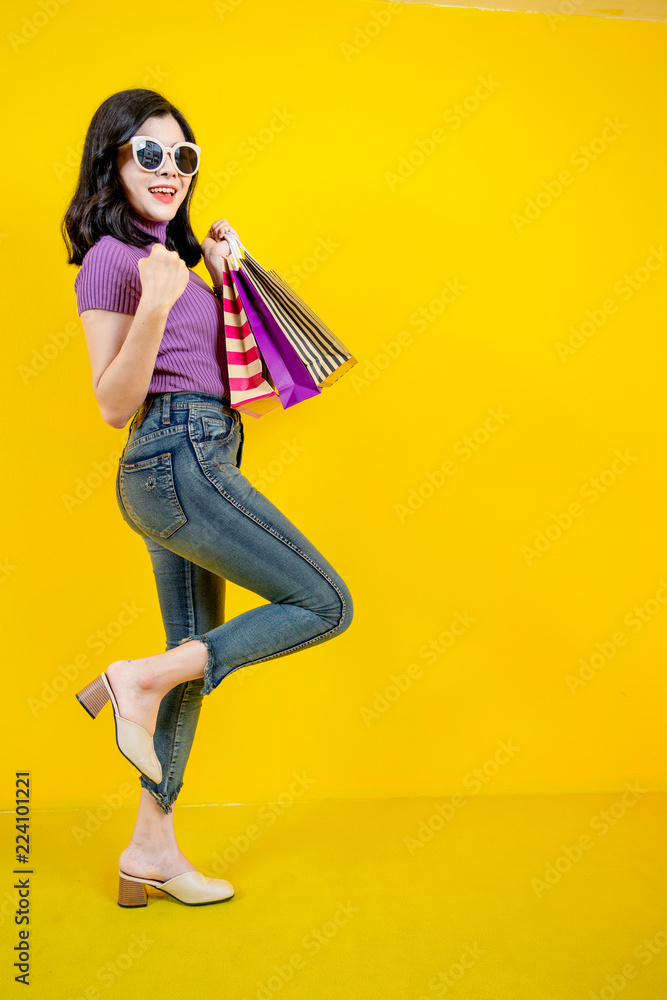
[[150, 154]]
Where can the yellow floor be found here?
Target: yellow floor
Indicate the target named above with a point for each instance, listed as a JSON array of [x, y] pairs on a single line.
[[512, 897]]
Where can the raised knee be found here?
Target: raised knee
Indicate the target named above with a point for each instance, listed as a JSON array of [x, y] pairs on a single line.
[[345, 607], [332, 604]]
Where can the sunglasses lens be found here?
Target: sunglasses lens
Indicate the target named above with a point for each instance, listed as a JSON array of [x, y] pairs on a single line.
[[149, 154], [187, 159]]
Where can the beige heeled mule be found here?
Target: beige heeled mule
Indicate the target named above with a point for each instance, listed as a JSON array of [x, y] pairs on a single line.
[[191, 888], [134, 742]]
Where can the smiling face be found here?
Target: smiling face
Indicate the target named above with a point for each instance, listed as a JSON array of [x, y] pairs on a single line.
[[138, 183]]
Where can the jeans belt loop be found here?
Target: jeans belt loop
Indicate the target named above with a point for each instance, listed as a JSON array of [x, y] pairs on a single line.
[[166, 406]]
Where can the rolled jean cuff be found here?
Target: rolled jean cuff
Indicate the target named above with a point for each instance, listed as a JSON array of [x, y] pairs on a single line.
[[210, 660], [166, 803]]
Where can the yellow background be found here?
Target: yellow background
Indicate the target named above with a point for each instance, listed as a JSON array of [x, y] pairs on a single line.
[[361, 99]]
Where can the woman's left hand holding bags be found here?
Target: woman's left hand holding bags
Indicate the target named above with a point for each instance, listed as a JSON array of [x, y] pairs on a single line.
[[215, 247]]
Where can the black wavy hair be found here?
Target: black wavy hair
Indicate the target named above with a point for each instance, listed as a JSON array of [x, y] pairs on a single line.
[[99, 205]]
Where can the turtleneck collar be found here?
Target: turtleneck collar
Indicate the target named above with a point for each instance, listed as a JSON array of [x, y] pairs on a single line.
[[151, 226]]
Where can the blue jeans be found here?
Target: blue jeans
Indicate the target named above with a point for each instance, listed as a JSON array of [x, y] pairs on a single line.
[[179, 486]]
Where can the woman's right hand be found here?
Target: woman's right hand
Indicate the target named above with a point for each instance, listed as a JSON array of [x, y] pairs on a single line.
[[164, 276]]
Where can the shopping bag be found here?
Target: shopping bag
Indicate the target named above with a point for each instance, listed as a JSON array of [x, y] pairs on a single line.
[[324, 354], [250, 391], [288, 373]]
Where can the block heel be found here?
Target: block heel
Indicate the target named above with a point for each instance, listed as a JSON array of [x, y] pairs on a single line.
[[94, 696], [134, 742], [131, 893]]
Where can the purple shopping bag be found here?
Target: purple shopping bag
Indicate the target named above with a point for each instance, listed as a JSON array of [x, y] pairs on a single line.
[[288, 372]]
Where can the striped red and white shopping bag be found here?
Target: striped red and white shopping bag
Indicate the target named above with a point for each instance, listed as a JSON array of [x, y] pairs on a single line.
[[250, 392]]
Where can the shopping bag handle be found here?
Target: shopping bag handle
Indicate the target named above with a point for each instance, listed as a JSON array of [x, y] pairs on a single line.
[[237, 250]]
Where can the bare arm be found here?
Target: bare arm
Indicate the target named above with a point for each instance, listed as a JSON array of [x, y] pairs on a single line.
[[123, 348], [122, 351]]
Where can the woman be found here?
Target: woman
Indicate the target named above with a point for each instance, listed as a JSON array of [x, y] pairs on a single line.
[[154, 332]]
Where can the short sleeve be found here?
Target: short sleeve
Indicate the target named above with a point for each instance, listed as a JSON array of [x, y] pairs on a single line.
[[108, 279]]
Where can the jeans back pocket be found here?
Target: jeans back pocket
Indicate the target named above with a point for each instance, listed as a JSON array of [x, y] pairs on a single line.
[[149, 495]]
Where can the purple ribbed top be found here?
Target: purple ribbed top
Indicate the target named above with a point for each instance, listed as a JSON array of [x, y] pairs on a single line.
[[192, 353]]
